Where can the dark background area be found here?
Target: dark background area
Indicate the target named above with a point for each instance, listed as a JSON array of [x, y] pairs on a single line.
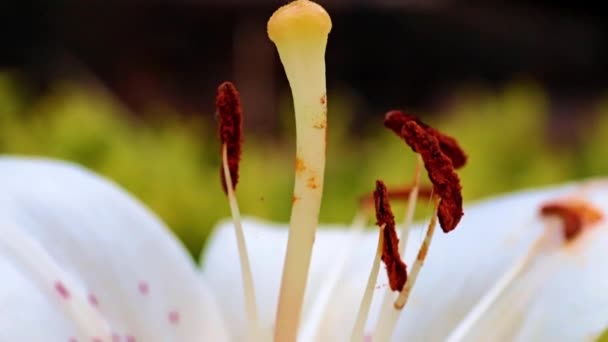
[[386, 53]]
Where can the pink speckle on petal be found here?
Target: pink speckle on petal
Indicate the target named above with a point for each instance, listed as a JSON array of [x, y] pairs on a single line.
[[131, 338], [143, 288], [96, 339], [72, 339], [93, 300], [173, 317], [62, 290], [367, 338], [115, 337]]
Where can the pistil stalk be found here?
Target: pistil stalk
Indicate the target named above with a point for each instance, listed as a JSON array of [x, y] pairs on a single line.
[[299, 31]]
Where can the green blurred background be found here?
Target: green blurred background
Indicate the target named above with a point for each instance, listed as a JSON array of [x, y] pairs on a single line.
[[171, 163], [127, 90]]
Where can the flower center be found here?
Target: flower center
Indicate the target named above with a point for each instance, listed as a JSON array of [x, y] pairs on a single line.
[[299, 31]]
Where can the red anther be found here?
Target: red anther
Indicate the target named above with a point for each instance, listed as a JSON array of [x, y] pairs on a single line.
[[230, 115], [395, 267]]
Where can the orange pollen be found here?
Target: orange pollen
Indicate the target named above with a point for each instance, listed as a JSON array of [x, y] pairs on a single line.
[[300, 166], [312, 182], [320, 124]]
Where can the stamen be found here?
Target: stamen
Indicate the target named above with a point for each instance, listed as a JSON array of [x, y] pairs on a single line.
[[395, 267], [425, 141], [389, 315], [228, 106], [441, 172], [576, 214], [439, 163], [388, 252], [420, 257], [387, 300], [52, 280], [299, 31], [366, 301], [230, 115], [395, 120], [246, 274]]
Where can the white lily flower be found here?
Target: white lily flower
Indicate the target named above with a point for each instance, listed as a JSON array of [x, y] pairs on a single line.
[[81, 260]]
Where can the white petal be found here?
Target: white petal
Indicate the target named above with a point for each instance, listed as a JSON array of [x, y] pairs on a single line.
[[562, 297], [573, 303], [102, 245], [460, 267], [266, 244]]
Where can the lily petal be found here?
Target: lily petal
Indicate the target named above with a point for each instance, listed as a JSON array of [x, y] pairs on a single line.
[[562, 297], [459, 268], [67, 235], [266, 244]]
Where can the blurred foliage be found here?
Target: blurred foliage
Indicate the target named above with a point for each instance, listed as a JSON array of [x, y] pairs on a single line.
[[171, 163]]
